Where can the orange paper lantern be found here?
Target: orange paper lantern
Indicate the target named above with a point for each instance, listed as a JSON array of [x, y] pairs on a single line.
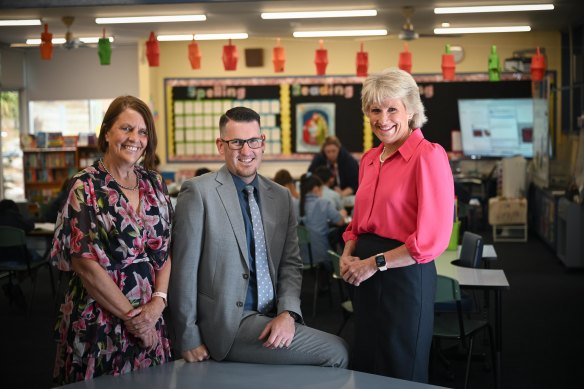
[[537, 66], [152, 50], [230, 56], [405, 60], [278, 57], [194, 55], [321, 59], [46, 44], [448, 65], [362, 62]]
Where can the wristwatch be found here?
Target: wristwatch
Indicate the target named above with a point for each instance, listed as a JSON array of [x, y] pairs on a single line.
[[380, 262], [295, 316]]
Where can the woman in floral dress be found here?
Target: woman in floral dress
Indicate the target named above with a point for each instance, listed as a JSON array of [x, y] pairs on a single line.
[[113, 233]]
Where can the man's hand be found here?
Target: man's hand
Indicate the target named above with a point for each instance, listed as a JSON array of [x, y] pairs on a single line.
[[197, 354], [279, 332]]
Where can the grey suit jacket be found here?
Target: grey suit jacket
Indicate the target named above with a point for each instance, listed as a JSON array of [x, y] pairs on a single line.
[[209, 277]]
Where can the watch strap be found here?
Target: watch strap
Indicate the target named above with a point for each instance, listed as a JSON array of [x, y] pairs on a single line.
[[162, 295]]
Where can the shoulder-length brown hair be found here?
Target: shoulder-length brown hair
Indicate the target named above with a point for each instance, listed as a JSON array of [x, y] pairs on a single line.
[[119, 105]]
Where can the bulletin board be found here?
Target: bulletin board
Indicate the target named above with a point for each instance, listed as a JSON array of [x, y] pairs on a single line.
[[297, 113]]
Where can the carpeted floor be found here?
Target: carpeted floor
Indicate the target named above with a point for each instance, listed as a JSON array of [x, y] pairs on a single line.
[[543, 327]]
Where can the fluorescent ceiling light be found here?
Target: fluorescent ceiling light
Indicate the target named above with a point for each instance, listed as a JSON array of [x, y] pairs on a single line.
[[22, 22], [478, 30], [201, 37], [319, 14], [494, 8], [314, 34], [59, 41], [152, 19]]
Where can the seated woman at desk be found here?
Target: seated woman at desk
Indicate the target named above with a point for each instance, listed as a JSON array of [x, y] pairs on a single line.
[[317, 214]]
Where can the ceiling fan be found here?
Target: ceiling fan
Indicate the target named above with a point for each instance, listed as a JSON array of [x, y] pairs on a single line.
[[70, 41], [407, 32]]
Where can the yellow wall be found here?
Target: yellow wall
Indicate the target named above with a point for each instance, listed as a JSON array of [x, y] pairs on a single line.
[[383, 52]]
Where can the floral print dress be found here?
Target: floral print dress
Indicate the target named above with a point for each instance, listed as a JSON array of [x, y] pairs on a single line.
[[97, 223]]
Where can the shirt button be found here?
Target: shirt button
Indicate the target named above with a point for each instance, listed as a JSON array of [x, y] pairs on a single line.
[[245, 276], [239, 304]]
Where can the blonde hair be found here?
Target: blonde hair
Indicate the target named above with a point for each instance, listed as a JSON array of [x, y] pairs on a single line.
[[394, 83]]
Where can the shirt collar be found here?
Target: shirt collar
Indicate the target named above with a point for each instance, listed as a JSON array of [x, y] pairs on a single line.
[[240, 185], [407, 149]]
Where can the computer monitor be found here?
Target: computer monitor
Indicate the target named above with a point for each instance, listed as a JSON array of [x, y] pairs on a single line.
[[495, 128]]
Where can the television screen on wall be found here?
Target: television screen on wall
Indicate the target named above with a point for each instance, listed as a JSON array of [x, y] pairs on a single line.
[[495, 128]]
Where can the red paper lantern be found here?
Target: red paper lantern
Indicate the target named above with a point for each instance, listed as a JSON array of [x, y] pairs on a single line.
[[448, 65], [321, 59], [537, 66], [278, 57], [46, 44], [362, 62], [405, 60], [230, 56], [194, 55], [153, 50]]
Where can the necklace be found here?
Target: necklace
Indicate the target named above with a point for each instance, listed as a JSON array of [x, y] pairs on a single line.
[[381, 160], [116, 181]]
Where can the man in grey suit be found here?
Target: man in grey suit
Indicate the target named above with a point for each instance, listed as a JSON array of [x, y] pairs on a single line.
[[213, 290]]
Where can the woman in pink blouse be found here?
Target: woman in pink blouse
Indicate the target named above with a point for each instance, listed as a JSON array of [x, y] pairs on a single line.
[[402, 220]]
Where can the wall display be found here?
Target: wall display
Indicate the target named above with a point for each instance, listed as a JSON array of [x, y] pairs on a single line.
[[298, 112]]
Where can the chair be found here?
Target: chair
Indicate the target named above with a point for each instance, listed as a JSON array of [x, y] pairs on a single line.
[[15, 258], [456, 326], [471, 251], [471, 254], [346, 303], [304, 240]]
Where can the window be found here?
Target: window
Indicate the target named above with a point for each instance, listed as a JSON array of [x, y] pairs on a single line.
[[11, 170], [69, 117]]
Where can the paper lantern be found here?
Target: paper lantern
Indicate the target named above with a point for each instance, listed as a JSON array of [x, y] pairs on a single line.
[[494, 69], [537, 66], [321, 59], [362, 62], [230, 56], [405, 60], [448, 65], [152, 51], [278, 57], [194, 55], [46, 44], [104, 50]]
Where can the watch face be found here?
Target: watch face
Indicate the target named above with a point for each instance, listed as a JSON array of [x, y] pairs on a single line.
[[380, 260]]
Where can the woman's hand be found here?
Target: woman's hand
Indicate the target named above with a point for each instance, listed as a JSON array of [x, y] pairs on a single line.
[[144, 318], [148, 340], [354, 271]]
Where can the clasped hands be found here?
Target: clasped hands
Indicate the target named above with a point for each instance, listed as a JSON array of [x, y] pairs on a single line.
[[141, 323], [354, 270]]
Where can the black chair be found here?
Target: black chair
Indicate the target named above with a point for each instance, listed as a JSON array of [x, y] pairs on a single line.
[[346, 303], [456, 326], [471, 251], [15, 260]]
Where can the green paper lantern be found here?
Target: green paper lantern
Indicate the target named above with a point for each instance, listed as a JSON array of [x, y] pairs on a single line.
[[494, 69], [104, 50]]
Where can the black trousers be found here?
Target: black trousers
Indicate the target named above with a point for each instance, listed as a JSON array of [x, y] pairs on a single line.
[[394, 316]]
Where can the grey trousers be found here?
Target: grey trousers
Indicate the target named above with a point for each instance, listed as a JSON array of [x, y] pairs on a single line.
[[309, 346]]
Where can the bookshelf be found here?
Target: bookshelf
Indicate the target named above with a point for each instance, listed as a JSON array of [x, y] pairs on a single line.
[[45, 169]]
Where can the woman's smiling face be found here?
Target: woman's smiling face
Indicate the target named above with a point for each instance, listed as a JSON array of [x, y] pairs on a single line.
[[127, 138]]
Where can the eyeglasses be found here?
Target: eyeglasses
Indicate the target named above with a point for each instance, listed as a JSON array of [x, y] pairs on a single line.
[[237, 144]]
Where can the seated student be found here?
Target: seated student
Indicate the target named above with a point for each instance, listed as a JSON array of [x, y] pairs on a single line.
[[202, 170], [328, 181], [317, 214], [284, 178]]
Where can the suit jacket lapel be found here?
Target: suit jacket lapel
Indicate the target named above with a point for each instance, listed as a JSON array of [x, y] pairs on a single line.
[[228, 195]]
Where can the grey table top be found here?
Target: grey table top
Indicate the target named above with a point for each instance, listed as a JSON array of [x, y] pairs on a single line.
[[223, 375]]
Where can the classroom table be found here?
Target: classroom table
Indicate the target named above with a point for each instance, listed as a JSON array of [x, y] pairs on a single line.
[[230, 375], [486, 279]]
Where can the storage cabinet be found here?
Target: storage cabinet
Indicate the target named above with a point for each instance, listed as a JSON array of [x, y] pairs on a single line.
[[45, 169], [570, 227], [543, 213]]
